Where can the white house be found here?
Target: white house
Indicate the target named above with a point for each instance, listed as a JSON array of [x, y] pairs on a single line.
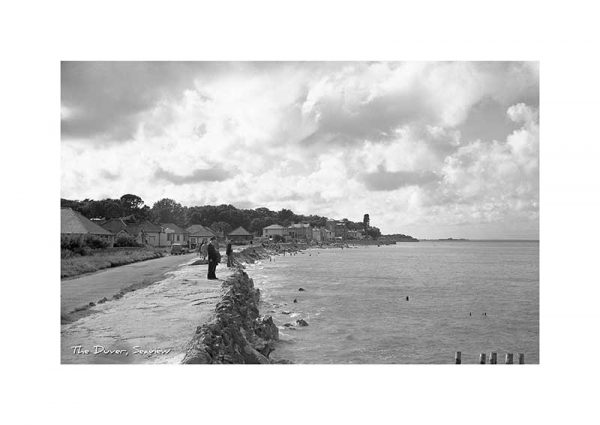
[[275, 229], [174, 234]]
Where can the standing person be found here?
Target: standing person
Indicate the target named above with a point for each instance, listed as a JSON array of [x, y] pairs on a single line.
[[204, 251], [213, 259], [229, 252], [200, 247]]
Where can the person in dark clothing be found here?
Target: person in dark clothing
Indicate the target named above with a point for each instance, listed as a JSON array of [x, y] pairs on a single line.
[[229, 253], [213, 259]]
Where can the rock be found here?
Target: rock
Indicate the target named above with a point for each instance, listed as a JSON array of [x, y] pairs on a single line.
[[302, 322], [301, 289], [103, 300], [266, 328], [283, 361], [288, 325], [92, 304], [286, 312], [198, 357], [295, 300]]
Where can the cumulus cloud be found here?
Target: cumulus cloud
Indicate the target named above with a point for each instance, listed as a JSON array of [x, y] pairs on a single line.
[[103, 100], [421, 146]]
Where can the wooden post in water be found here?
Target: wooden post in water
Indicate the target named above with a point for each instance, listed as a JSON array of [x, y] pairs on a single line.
[[493, 358], [457, 357], [509, 358], [482, 358], [521, 358]]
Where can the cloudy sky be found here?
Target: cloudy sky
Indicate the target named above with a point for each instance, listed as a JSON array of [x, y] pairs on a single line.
[[433, 150]]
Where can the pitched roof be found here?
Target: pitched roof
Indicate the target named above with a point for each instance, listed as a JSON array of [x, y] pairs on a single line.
[[274, 226], [133, 229], [114, 225], [175, 228], [199, 230], [240, 231], [72, 222], [147, 226]]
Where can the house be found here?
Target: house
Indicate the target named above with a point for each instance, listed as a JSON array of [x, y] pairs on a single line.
[[149, 233], [74, 225], [117, 227], [240, 235], [197, 233], [144, 232], [322, 234], [337, 228], [317, 235], [355, 234], [275, 229], [300, 231], [174, 234]]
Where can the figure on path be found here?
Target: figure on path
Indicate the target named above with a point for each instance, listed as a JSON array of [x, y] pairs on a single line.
[[213, 259], [229, 253]]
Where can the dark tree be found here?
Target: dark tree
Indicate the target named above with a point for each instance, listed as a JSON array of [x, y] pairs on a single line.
[[168, 211], [286, 217], [131, 204], [374, 232], [194, 218]]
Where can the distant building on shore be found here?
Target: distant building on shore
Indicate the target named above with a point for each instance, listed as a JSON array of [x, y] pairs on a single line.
[[321, 235], [300, 231], [275, 229], [197, 233], [355, 234], [75, 226], [240, 235], [174, 234]]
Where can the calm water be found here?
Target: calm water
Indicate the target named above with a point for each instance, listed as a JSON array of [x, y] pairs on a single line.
[[355, 302]]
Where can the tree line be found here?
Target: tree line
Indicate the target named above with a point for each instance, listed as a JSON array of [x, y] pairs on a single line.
[[220, 218]]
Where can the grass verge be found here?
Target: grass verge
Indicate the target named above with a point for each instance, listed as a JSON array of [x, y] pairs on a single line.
[[106, 258]]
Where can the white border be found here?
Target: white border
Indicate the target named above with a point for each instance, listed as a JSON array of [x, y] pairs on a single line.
[[37, 35]]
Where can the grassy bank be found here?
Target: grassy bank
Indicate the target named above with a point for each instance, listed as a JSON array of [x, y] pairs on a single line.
[[105, 258]]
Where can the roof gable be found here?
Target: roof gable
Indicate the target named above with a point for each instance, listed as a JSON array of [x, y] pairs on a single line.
[[172, 226], [114, 225], [199, 230], [149, 227], [240, 231]]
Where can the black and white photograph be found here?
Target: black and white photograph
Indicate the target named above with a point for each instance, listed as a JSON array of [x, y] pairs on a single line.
[[316, 212], [300, 212]]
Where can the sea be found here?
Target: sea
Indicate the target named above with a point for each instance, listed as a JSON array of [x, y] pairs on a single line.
[[409, 303]]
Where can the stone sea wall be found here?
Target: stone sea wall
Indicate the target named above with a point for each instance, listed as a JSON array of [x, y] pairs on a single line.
[[237, 334]]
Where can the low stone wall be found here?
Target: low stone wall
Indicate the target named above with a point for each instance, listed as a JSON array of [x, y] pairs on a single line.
[[237, 334]]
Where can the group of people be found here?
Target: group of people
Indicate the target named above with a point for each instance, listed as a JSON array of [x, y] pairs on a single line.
[[210, 249]]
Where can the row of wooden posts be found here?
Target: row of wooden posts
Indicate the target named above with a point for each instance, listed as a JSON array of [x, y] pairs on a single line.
[[508, 359]]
